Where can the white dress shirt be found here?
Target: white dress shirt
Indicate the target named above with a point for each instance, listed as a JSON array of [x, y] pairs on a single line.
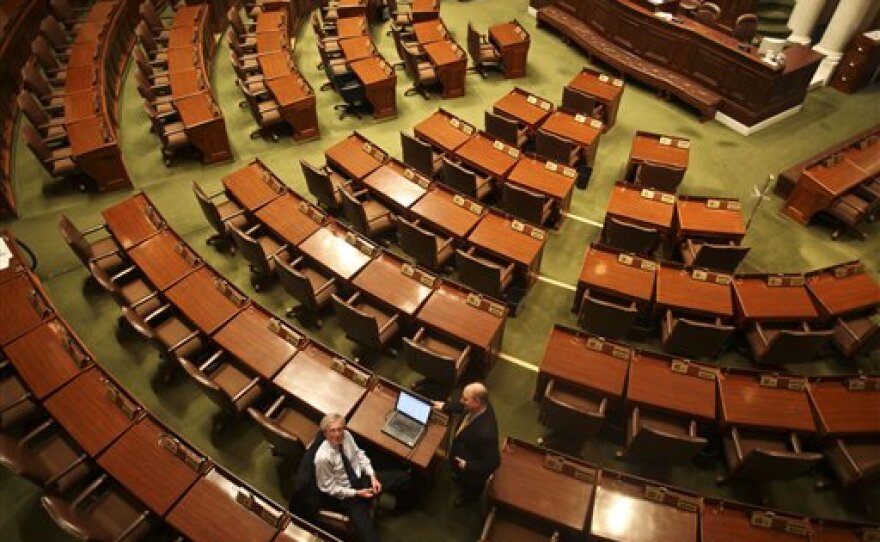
[[330, 472]]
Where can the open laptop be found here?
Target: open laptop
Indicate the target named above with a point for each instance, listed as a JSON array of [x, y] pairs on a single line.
[[408, 419]]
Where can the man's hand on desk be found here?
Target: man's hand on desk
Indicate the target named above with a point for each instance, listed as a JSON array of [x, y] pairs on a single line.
[[460, 463], [438, 405]]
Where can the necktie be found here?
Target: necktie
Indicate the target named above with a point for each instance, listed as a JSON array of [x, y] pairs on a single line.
[[349, 471], [464, 423]]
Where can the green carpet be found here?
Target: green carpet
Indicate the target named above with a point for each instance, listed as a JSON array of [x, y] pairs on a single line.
[[722, 163]]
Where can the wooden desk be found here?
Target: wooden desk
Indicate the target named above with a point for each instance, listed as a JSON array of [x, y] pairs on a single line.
[[133, 220], [544, 177], [726, 522], [709, 218], [580, 129], [660, 149], [370, 416], [95, 149], [843, 290], [199, 298], [310, 377], [209, 512], [355, 156], [253, 186], [584, 361], [444, 131], [757, 300], [385, 279], [430, 31], [272, 42], [348, 27], [81, 105], [189, 15], [15, 265], [840, 411], [525, 107], [85, 409], [164, 258], [623, 512], [646, 207], [275, 64], [271, 21], [80, 79], [379, 83], [25, 307], [205, 126], [488, 156], [654, 381], [453, 214], [398, 185], [296, 100], [250, 338], [329, 248], [819, 186], [152, 473], [497, 235], [187, 82], [605, 89], [291, 218], [694, 291], [424, 10], [450, 65], [43, 359], [523, 483], [744, 402], [481, 326], [357, 48], [612, 272], [512, 42]]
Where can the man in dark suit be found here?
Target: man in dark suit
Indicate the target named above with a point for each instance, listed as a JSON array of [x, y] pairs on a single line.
[[474, 454]]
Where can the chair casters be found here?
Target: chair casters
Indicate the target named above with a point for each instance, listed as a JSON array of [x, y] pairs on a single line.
[[326, 86], [242, 104]]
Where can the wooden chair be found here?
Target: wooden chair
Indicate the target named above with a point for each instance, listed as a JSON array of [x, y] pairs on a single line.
[[51, 99], [168, 330], [855, 461], [606, 316], [758, 455], [693, 337], [555, 148], [428, 249], [47, 456], [483, 54], [707, 13], [439, 360], [128, 286], [576, 102], [658, 437], [422, 72], [56, 161], [309, 285], [483, 273], [570, 411], [103, 250], [745, 27], [777, 344]]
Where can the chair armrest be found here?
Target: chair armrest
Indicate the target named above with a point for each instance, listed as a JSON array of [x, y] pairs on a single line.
[[487, 526], [603, 405], [354, 297], [419, 334], [183, 341], [157, 312], [250, 385], [281, 249], [508, 270], [134, 525], [210, 361], [33, 433], [734, 434], [842, 323], [66, 470], [253, 229], [388, 323], [760, 332], [91, 488], [233, 215], [274, 407], [145, 299], [127, 271], [795, 442], [18, 400], [326, 285]]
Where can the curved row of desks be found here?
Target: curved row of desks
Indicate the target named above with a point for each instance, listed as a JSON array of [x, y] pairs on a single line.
[[287, 362], [172, 479]]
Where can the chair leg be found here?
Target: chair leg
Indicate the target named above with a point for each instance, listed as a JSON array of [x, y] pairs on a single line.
[[327, 86]]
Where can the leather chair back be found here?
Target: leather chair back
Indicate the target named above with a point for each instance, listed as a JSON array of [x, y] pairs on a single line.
[[571, 413], [434, 366], [576, 102], [32, 109], [34, 80], [745, 27], [418, 243], [359, 326], [417, 154], [320, 186], [148, 42], [523, 203], [661, 438], [630, 237], [694, 338], [283, 442], [719, 256], [75, 240], [51, 29], [36, 145], [503, 128], [459, 178], [606, 318], [42, 49], [480, 274], [660, 176], [355, 212], [251, 250], [791, 346], [297, 285], [555, 148], [212, 214]]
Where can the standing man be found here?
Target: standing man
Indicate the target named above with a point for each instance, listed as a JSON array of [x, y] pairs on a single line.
[[474, 454], [345, 477]]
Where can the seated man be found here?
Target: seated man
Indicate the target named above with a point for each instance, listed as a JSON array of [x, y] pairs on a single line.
[[345, 476]]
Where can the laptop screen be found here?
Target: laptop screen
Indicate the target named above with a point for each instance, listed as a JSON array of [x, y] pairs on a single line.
[[413, 407]]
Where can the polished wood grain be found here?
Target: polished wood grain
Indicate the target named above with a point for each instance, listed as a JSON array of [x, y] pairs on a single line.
[[438, 129], [448, 311], [627, 203], [494, 234], [328, 247], [159, 258], [603, 271], [841, 412], [677, 289], [42, 361], [732, 523], [369, 418], [532, 173], [567, 358], [694, 218], [151, 473], [755, 300], [352, 157], [525, 107], [128, 220], [382, 278], [524, 484], [744, 402], [839, 296], [646, 147], [437, 208], [248, 187], [391, 184], [210, 513], [85, 411], [653, 383], [284, 217], [486, 156], [198, 298], [622, 513], [310, 378], [23, 304], [248, 337]]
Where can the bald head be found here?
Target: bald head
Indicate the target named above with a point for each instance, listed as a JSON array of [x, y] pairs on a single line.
[[475, 397]]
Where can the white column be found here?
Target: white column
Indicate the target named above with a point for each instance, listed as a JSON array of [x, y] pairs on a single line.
[[803, 19], [845, 22]]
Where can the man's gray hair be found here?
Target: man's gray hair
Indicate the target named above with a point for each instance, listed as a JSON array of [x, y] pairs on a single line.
[[330, 419], [479, 392]]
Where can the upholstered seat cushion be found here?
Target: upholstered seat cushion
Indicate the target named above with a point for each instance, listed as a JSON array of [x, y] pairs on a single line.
[[229, 379], [172, 331]]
